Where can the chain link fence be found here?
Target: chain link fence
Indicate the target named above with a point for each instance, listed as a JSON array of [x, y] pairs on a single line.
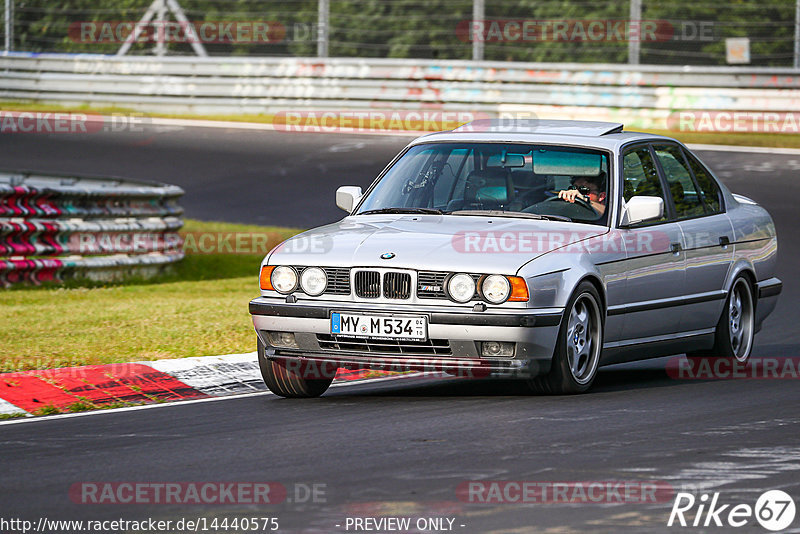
[[660, 32]]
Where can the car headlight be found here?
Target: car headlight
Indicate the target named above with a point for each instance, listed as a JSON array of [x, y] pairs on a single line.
[[284, 279], [461, 287], [495, 288], [313, 281]]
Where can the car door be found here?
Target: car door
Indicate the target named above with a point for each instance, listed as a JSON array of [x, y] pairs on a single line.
[[655, 261], [707, 234]]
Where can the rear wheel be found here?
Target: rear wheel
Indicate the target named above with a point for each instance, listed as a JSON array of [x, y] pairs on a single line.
[[580, 341], [736, 327], [288, 381]]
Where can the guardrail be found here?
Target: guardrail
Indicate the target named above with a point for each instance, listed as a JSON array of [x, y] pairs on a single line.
[[643, 96], [58, 227]]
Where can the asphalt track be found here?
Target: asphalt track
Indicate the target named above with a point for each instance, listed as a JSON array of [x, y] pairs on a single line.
[[402, 448]]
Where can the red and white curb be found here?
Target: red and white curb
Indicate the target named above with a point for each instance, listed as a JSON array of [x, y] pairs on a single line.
[[71, 389], [6, 408]]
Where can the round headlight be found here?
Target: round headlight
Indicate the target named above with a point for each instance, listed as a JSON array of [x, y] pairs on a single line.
[[313, 281], [284, 279], [495, 288], [461, 287]]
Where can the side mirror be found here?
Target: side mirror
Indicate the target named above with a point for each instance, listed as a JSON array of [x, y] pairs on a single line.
[[642, 208], [347, 197]]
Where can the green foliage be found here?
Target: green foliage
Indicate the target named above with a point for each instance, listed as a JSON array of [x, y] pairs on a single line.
[[415, 29], [769, 26], [80, 406], [47, 410], [16, 415]]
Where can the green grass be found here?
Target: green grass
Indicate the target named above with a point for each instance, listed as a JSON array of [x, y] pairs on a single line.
[[5, 416], [199, 309], [48, 410], [736, 139], [32, 105]]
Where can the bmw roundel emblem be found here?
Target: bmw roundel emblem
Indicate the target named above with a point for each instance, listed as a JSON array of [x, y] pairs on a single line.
[[387, 255]]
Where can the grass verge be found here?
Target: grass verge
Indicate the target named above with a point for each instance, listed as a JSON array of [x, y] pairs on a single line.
[[199, 309], [773, 140]]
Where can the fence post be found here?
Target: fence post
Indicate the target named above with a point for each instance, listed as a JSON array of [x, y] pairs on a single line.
[[634, 32], [161, 25], [797, 35], [478, 15], [9, 16], [322, 28]]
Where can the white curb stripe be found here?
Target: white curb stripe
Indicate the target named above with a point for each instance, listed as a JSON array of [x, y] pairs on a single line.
[[215, 375], [6, 408]]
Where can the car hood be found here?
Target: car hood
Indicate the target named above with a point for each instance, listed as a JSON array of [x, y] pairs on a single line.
[[431, 242]]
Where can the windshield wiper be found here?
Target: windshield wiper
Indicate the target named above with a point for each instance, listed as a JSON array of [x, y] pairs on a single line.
[[479, 213], [422, 211], [520, 214]]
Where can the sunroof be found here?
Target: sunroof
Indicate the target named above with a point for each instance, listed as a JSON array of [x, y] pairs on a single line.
[[542, 126]]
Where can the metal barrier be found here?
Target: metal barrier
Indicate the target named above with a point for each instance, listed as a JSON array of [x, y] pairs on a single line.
[[58, 227], [643, 96]]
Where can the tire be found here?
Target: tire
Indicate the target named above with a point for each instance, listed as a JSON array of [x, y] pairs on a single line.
[[286, 382], [580, 342], [735, 330]]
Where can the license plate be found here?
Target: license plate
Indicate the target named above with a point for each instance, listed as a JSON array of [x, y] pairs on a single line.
[[412, 328]]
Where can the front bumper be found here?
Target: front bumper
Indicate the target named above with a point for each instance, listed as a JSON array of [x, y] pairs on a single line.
[[454, 336]]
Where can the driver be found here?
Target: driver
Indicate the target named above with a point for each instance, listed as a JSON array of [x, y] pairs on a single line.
[[589, 189]]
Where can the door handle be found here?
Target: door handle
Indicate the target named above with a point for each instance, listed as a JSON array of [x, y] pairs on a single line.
[[724, 241], [675, 247]]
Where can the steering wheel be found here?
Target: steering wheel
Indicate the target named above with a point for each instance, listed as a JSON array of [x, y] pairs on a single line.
[[578, 200]]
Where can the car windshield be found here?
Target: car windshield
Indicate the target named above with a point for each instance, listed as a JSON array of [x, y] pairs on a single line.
[[516, 180]]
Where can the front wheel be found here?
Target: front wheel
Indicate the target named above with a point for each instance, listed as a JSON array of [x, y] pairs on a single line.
[[580, 341], [287, 381]]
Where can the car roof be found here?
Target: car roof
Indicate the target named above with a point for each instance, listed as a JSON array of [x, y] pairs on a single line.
[[605, 135]]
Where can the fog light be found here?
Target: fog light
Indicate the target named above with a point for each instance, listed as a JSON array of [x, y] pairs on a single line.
[[284, 340], [495, 349]]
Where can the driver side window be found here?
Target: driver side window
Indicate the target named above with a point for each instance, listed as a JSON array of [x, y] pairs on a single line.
[[451, 181], [446, 179], [640, 177]]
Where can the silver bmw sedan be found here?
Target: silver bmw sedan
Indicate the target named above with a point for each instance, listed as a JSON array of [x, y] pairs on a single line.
[[536, 249]]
